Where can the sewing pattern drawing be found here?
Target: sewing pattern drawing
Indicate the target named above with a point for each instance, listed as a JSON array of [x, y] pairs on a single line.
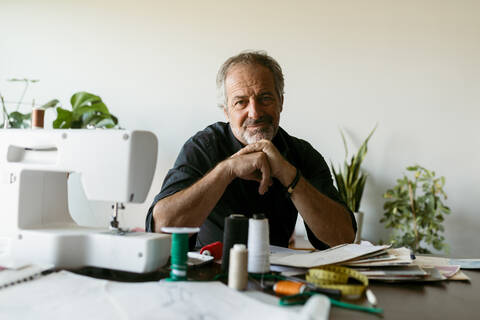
[[55, 296]]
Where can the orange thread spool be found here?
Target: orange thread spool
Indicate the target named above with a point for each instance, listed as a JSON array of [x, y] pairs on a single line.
[[37, 118], [288, 288]]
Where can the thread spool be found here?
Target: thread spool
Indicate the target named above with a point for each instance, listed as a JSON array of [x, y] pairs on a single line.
[[258, 244], [237, 270], [235, 231], [38, 116], [288, 288], [179, 252]]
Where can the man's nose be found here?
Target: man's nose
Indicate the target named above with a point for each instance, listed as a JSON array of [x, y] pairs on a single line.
[[254, 109]]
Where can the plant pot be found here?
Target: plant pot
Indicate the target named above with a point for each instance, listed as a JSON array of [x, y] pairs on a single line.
[[359, 219]]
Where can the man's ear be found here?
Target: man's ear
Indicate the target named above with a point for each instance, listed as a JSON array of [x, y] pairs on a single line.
[[225, 112], [281, 103]]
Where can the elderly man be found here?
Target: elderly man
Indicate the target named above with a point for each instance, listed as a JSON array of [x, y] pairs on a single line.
[[251, 165]]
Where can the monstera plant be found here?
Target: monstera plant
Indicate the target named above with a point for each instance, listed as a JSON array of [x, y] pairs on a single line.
[[88, 111]]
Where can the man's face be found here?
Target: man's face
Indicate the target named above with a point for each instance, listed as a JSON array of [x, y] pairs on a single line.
[[253, 106]]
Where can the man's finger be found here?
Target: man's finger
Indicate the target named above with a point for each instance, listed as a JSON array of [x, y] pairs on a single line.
[[265, 182], [255, 147]]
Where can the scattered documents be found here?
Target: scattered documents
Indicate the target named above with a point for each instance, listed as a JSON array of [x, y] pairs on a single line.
[[380, 263], [448, 271], [426, 261]]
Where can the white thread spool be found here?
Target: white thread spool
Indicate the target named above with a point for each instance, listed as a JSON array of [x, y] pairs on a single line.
[[237, 267], [258, 244]]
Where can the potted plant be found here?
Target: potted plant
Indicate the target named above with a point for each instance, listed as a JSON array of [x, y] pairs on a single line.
[[88, 111], [351, 181], [17, 119], [415, 211]]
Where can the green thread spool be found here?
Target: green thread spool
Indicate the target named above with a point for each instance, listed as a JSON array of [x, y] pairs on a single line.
[[179, 252], [179, 257]]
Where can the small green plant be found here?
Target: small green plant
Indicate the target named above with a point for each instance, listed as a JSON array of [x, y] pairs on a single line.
[[351, 180], [88, 110], [17, 119], [415, 211]]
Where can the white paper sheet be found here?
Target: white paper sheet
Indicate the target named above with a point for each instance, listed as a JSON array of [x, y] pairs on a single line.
[[66, 295], [466, 263], [25, 273]]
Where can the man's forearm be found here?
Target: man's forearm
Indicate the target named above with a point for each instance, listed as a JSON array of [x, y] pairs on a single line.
[[328, 220], [190, 207]]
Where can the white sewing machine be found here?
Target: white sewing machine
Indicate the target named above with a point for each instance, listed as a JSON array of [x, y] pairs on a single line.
[[35, 223]]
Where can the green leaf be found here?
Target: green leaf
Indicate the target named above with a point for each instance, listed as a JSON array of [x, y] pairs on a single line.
[[23, 80], [83, 98], [19, 120], [90, 117], [351, 181], [50, 104], [97, 108], [63, 120], [106, 123], [344, 143]]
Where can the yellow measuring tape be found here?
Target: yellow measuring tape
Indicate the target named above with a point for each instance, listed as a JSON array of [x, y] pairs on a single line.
[[335, 277]]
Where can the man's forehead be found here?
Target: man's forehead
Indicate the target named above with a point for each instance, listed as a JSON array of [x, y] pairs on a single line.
[[245, 77]]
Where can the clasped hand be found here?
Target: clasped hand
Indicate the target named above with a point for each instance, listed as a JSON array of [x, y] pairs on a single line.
[[261, 161]]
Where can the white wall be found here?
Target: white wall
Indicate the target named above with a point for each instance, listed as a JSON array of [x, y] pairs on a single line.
[[411, 66]]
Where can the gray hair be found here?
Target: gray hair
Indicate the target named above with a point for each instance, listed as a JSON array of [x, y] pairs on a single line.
[[249, 57]]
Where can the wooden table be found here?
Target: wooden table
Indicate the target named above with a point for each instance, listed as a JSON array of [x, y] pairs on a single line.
[[439, 300], [436, 300]]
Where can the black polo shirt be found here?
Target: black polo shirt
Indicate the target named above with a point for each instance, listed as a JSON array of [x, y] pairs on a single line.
[[207, 148]]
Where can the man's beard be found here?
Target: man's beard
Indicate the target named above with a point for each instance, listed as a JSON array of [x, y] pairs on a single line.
[[257, 134]]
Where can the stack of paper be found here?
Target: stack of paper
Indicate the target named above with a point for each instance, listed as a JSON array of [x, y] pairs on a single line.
[[376, 262], [383, 258], [335, 255]]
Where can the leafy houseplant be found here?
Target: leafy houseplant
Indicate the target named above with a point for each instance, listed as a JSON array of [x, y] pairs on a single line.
[[414, 209], [88, 111], [351, 180], [17, 119]]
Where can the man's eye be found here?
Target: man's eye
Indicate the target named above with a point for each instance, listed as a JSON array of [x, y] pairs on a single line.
[[240, 104], [266, 99]]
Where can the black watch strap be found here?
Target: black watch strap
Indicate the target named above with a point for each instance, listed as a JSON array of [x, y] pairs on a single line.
[[292, 185]]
